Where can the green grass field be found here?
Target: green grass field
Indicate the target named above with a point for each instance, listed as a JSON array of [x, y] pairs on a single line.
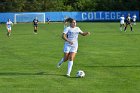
[[110, 59]]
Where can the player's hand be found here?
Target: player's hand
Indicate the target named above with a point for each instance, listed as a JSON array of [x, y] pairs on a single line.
[[70, 42]]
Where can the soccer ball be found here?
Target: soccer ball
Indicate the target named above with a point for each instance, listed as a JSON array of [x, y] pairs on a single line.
[[80, 74]]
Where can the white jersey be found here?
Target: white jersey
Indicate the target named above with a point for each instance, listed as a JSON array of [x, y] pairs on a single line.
[[134, 18], [9, 24], [72, 35], [122, 20]]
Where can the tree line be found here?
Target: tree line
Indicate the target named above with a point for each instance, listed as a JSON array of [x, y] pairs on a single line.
[[68, 5]]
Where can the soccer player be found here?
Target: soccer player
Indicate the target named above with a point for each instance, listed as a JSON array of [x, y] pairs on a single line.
[[8, 26], [48, 20], [35, 23], [70, 36], [134, 19], [128, 22], [122, 22]]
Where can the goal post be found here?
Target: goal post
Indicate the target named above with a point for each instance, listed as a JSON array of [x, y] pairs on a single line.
[[28, 17]]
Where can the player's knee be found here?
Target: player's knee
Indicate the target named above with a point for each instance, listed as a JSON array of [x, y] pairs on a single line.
[[71, 58], [65, 59]]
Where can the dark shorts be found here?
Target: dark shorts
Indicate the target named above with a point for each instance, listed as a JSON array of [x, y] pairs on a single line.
[[35, 25], [128, 23]]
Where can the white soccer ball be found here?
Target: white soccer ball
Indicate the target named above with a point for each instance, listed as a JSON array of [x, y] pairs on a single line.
[[80, 74]]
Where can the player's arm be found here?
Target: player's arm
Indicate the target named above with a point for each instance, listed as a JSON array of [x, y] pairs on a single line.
[[64, 37], [84, 33]]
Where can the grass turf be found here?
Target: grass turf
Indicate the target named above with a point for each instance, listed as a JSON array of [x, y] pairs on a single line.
[[109, 57]]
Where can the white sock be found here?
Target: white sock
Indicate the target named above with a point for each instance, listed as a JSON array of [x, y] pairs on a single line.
[[121, 28], [61, 61], [70, 64]]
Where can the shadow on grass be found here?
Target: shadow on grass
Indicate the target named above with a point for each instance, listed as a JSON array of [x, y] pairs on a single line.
[[19, 74], [133, 66], [23, 34], [30, 74]]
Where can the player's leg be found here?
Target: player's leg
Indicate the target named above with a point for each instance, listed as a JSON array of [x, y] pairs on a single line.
[[64, 59], [120, 27], [35, 29], [48, 21], [134, 22], [8, 31], [131, 27], [70, 63], [125, 27], [8, 34], [72, 55], [66, 55]]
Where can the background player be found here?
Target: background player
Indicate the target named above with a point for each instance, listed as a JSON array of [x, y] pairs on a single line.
[[122, 24], [70, 35], [128, 22], [48, 20], [8, 26], [35, 23], [134, 17]]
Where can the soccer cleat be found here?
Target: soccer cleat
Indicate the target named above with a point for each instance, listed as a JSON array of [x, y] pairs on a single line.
[[68, 75], [8, 34], [59, 65]]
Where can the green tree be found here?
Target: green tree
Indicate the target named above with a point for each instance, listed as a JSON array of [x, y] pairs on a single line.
[[67, 5]]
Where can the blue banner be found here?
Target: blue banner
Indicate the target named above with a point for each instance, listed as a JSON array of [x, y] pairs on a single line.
[[91, 16], [79, 16]]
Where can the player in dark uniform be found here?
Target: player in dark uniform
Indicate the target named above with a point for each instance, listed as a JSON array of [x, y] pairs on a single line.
[[128, 22], [48, 20], [35, 23]]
